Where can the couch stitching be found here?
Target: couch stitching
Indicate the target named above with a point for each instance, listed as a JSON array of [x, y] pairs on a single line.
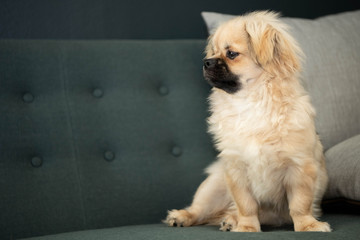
[[64, 77]]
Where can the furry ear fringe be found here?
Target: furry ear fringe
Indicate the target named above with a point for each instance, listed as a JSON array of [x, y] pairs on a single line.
[[270, 44]]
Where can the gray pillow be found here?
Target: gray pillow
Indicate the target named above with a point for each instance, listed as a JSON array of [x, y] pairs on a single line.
[[213, 20], [343, 164], [332, 77]]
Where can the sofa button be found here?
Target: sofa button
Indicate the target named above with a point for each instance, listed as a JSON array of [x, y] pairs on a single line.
[[98, 93], [28, 97], [36, 161], [176, 151], [109, 156], [163, 90]]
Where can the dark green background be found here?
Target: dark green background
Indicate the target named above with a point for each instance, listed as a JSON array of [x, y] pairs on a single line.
[[138, 19]]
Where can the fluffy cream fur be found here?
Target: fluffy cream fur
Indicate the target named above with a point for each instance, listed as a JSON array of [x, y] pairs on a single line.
[[271, 168]]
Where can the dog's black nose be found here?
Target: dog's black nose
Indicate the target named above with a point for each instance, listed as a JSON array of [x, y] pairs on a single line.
[[210, 62]]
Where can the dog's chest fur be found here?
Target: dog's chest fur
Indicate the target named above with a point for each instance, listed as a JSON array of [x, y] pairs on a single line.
[[253, 135]]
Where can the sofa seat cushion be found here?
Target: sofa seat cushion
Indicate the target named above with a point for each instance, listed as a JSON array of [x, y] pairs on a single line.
[[344, 225], [343, 164]]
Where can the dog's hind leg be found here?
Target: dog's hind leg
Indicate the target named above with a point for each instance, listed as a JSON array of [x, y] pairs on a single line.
[[210, 202]]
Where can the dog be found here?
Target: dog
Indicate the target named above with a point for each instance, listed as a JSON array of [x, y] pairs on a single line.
[[270, 168]]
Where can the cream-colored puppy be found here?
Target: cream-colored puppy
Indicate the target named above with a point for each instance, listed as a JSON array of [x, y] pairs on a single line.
[[271, 168]]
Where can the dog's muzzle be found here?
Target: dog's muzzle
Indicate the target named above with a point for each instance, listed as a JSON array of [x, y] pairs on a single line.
[[217, 74]]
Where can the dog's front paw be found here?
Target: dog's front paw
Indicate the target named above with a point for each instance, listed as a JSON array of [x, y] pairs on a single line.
[[247, 228], [231, 224], [316, 226], [179, 218], [228, 224]]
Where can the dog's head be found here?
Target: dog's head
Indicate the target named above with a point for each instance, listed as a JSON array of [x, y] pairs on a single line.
[[244, 48]]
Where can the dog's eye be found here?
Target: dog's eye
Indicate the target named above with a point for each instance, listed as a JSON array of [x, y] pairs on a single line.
[[231, 55]]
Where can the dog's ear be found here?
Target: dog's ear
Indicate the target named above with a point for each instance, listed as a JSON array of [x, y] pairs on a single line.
[[271, 46]]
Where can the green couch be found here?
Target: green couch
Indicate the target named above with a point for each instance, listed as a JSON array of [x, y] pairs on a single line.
[[100, 138]]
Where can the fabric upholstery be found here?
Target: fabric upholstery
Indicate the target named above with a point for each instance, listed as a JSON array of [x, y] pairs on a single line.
[[346, 226], [99, 134], [343, 161]]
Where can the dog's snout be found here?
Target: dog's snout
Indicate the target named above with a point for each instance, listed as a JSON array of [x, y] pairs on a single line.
[[210, 62]]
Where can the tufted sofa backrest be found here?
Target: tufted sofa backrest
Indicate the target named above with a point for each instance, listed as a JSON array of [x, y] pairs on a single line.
[[99, 134]]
